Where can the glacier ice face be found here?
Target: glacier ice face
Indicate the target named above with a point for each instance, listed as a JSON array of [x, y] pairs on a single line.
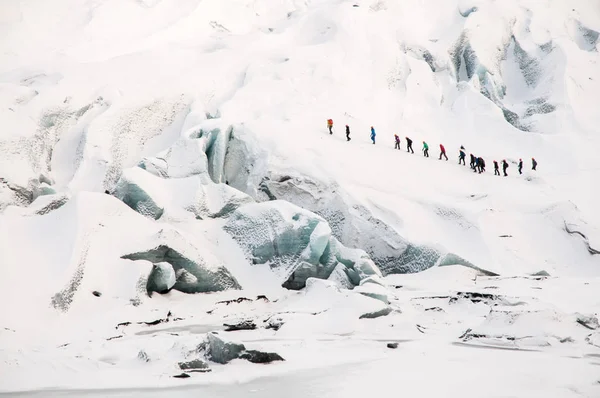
[[137, 190], [280, 234], [296, 243], [161, 278], [195, 271], [152, 196], [245, 161], [354, 225]]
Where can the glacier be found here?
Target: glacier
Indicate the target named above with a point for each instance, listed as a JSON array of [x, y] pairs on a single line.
[[166, 172]]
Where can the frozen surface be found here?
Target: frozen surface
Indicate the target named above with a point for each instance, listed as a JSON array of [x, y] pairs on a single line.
[[165, 169]]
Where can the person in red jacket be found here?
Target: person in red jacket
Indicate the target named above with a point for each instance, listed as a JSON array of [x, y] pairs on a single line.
[[443, 152], [330, 125]]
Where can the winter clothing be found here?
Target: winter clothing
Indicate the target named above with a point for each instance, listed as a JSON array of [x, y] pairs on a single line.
[[475, 165], [443, 152], [533, 164], [330, 125], [425, 149], [504, 167], [520, 166], [409, 145], [472, 164], [397, 146], [461, 156], [373, 135], [347, 133], [481, 163], [496, 169]]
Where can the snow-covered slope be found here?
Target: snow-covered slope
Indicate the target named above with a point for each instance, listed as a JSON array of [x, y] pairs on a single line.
[[151, 146]]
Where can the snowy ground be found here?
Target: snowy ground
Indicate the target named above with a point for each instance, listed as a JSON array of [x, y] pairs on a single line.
[[160, 102]]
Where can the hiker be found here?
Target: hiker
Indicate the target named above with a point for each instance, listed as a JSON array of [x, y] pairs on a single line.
[[533, 164], [397, 146], [373, 135], [409, 145], [496, 169], [520, 166], [481, 164], [504, 167], [472, 164], [347, 133], [425, 149], [443, 152], [475, 164], [330, 125], [462, 155]]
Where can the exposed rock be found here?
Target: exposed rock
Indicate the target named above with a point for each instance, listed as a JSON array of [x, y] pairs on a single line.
[[220, 351], [372, 315], [217, 350], [195, 364], [260, 357], [590, 322], [143, 356], [96, 293], [247, 324], [392, 345], [182, 376]]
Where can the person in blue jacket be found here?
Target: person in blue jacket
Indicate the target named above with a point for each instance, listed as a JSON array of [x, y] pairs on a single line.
[[373, 135]]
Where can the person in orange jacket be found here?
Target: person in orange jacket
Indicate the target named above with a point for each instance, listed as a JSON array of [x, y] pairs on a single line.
[[330, 125]]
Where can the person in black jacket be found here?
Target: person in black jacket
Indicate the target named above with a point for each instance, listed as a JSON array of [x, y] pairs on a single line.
[[347, 133], [462, 155], [520, 167], [481, 164], [496, 169], [533, 164], [504, 167], [472, 164], [409, 145]]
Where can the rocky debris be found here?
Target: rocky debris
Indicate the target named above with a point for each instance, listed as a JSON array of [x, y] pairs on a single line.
[[392, 345], [590, 322], [97, 293], [220, 351], [274, 322], [155, 322], [143, 356], [195, 365], [371, 315], [247, 324], [477, 297], [182, 376], [237, 301], [260, 357]]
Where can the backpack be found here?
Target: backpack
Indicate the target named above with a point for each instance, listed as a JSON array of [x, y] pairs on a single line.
[[330, 122]]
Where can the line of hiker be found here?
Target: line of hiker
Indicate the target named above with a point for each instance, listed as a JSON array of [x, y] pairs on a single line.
[[477, 163]]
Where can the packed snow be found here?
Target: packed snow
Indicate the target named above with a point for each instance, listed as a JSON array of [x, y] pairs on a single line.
[[176, 217]]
